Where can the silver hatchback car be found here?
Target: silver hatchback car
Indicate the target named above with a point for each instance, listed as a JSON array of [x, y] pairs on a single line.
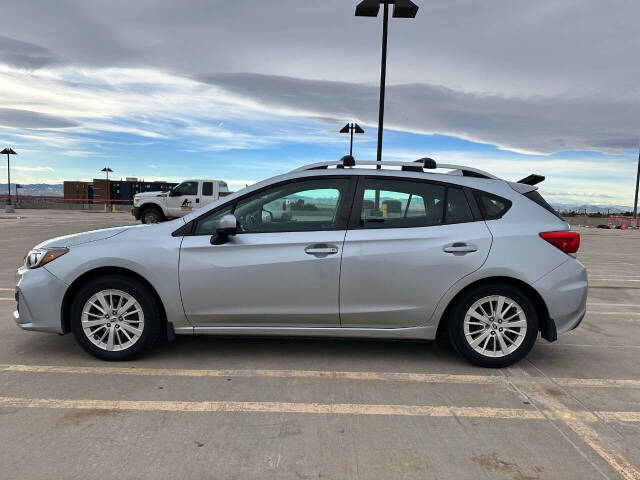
[[396, 252]]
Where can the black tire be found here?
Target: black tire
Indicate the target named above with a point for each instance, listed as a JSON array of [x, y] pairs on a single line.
[[455, 324], [153, 317], [151, 215]]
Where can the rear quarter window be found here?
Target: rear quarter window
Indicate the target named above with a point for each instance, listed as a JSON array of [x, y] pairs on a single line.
[[492, 206]]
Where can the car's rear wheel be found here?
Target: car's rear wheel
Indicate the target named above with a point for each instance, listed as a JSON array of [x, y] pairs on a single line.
[[115, 318], [151, 215], [493, 325]]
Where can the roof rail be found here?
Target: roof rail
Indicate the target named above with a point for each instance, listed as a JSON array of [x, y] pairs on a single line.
[[417, 166]]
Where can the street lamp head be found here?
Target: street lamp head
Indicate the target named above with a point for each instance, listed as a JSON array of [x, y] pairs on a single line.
[[345, 129], [357, 129], [106, 169], [405, 9], [368, 8], [8, 151]]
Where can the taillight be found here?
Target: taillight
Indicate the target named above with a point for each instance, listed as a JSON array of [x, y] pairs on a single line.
[[567, 241]]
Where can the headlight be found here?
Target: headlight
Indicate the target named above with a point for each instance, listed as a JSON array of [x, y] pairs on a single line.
[[136, 200], [41, 256]]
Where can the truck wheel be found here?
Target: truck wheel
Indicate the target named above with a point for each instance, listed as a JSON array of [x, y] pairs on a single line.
[[151, 215], [115, 317]]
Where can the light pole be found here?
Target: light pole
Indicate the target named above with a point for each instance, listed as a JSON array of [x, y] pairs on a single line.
[[17, 187], [8, 151], [401, 9], [351, 128], [108, 187], [635, 201]]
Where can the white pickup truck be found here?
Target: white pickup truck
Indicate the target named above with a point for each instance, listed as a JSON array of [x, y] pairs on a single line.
[[153, 207]]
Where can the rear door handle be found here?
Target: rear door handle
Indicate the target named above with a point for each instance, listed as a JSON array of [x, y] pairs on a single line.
[[321, 250], [460, 247]]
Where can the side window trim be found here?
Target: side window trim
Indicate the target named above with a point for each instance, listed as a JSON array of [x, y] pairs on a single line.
[[342, 214], [473, 203]]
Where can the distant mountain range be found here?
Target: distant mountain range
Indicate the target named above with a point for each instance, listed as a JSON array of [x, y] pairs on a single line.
[[591, 208], [35, 189], [56, 190]]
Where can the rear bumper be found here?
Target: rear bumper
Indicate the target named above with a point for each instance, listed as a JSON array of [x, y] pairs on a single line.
[[564, 291], [39, 296], [135, 211]]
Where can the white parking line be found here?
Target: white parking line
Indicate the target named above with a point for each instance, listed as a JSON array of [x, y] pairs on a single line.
[[314, 408], [355, 375], [273, 407]]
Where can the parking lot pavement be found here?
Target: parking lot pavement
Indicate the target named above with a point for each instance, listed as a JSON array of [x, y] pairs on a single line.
[[233, 408]]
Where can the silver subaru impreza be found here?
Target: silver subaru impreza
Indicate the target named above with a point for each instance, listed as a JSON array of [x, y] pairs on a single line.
[[333, 249]]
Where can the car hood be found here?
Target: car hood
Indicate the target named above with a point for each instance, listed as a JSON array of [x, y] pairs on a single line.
[[85, 237]]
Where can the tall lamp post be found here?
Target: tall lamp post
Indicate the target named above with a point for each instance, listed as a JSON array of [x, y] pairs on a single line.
[[401, 9], [107, 170], [351, 128], [7, 152], [635, 201]]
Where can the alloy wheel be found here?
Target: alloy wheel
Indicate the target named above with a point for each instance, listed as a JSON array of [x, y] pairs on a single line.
[[112, 320], [495, 326]]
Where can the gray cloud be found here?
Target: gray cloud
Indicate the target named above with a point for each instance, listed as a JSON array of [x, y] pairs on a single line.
[[10, 117], [24, 54], [541, 124], [540, 76]]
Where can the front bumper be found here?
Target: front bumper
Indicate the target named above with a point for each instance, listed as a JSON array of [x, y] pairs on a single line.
[[135, 211], [564, 291], [39, 297]]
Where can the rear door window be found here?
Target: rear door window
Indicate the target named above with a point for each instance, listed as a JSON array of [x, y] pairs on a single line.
[[391, 203], [458, 209], [207, 189]]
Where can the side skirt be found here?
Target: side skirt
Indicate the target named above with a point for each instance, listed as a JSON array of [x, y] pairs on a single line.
[[421, 333]]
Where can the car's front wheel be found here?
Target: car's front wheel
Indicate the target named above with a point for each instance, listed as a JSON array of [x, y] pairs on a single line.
[[493, 325], [115, 317]]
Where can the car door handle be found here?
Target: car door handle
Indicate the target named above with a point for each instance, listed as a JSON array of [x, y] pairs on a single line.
[[321, 250], [460, 247]]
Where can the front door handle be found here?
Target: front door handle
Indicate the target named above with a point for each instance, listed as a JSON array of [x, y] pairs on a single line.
[[460, 247], [321, 250]]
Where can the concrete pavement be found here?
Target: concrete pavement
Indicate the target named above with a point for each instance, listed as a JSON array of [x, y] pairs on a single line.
[[234, 408]]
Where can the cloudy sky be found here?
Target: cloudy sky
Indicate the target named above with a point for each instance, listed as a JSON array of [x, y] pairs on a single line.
[[247, 89]]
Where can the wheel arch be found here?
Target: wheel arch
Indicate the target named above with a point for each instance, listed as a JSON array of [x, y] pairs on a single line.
[[546, 325], [65, 313]]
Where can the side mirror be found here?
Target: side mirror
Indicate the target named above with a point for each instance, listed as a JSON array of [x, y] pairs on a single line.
[[227, 225], [173, 193]]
